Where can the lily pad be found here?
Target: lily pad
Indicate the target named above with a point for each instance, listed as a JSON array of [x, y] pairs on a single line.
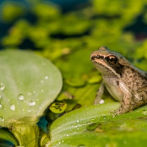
[[28, 84], [96, 126]]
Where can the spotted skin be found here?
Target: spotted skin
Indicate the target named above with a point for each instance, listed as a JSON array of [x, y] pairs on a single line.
[[123, 81]]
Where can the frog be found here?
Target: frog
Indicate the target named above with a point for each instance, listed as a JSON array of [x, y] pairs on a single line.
[[123, 81]]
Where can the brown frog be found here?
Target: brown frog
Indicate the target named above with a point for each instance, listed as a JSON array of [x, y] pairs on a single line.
[[123, 81]]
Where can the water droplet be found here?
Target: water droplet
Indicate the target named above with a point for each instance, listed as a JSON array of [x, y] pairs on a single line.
[[46, 77], [31, 103], [59, 142], [1, 106], [144, 112], [104, 117], [12, 107], [77, 121], [92, 119], [1, 119], [102, 101], [29, 93], [2, 86], [21, 97]]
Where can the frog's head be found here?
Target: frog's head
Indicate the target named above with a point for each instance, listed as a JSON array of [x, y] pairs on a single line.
[[108, 62]]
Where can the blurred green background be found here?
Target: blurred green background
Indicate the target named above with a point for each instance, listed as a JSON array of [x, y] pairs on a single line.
[[67, 31]]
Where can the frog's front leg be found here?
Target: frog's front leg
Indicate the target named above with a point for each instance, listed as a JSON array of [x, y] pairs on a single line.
[[99, 94]]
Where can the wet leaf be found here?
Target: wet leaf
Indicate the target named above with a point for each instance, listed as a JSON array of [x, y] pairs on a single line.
[[96, 126], [28, 84], [5, 135], [11, 11]]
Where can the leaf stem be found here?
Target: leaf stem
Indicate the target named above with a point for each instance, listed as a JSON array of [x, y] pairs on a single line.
[[27, 135]]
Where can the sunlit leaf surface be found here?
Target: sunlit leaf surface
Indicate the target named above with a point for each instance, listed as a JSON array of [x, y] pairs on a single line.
[[96, 126], [28, 84]]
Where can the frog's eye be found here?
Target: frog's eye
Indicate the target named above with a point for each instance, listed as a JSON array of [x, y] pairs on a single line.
[[112, 59]]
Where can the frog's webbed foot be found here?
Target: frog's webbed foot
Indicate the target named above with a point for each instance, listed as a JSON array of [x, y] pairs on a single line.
[[99, 94]]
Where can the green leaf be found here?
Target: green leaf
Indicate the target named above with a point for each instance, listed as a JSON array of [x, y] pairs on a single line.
[[46, 10], [7, 136], [58, 107], [11, 11], [96, 126], [28, 84], [76, 121]]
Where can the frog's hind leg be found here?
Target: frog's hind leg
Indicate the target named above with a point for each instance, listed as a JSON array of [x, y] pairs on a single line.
[[99, 94], [127, 104]]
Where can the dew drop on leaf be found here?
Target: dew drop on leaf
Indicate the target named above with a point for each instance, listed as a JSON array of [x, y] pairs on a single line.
[[104, 117], [46, 77], [21, 97], [77, 121], [29, 93], [144, 112], [1, 106], [2, 86], [1, 119], [32, 103], [12, 107]]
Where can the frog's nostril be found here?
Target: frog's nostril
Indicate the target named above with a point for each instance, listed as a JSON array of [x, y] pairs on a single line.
[[95, 56]]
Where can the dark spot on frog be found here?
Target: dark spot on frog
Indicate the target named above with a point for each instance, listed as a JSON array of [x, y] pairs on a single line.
[[117, 82], [130, 76]]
